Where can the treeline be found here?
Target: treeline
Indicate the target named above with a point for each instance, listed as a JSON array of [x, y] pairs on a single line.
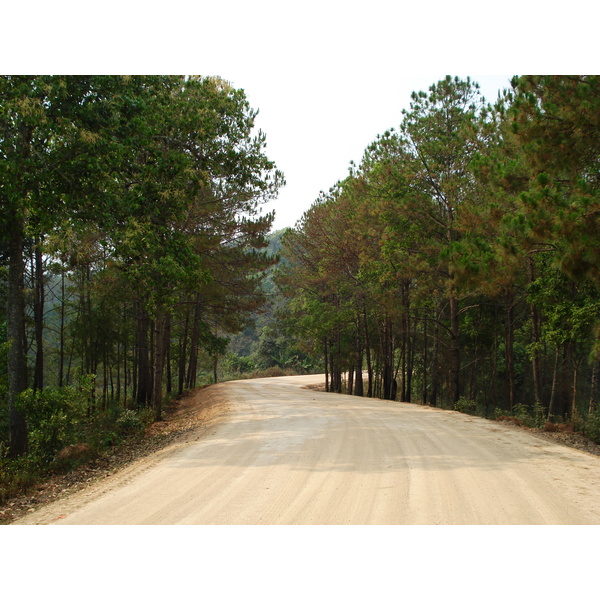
[[132, 243], [459, 263]]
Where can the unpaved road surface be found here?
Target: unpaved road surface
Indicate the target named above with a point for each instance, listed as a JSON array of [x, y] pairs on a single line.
[[288, 455]]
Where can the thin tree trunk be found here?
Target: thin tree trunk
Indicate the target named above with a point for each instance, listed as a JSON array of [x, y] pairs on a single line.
[[411, 359], [168, 353], [425, 357], [15, 334], [350, 383], [593, 388], [72, 352], [368, 355], [574, 407], [387, 356], [125, 370], [159, 362], [195, 339], [104, 382], [38, 314], [332, 381], [454, 352], [434, 362], [182, 353], [493, 371], [143, 388], [509, 337], [404, 359], [326, 360], [61, 361], [492, 386], [535, 332], [358, 386], [118, 376], [554, 377]]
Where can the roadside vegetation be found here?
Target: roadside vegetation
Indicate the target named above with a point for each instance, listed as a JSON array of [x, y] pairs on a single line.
[[132, 245], [458, 264]]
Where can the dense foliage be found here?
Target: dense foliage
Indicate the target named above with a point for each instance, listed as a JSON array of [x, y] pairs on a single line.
[[132, 243], [458, 264]]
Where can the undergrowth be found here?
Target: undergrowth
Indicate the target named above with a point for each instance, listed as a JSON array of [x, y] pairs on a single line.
[[64, 433]]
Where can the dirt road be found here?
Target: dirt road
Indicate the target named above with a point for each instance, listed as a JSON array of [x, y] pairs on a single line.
[[287, 455]]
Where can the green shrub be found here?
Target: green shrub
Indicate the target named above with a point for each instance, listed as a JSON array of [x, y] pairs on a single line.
[[521, 412], [592, 427], [530, 416], [234, 364], [56, 418], [17, 475], [129, 422], [466, 405]]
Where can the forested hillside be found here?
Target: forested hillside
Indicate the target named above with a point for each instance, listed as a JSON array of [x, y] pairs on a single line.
[[458, 264], [269, 345], [131, 245]]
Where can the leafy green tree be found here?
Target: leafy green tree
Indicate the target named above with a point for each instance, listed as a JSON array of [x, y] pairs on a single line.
[[144, 189], [555, 122], [443, 135]]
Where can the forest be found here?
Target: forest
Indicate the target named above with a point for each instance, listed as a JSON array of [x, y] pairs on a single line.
[[132, 243], [457, 265]]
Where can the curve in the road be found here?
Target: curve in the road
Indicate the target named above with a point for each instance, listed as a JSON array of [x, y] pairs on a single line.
[[288, 455]]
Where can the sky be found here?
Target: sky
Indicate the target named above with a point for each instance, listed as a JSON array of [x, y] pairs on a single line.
[[326, 76]]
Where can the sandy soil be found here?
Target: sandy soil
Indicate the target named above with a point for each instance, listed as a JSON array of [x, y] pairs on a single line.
[[286, 455]]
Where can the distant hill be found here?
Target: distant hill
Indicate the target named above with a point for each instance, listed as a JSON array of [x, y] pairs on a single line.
[[246, 342]]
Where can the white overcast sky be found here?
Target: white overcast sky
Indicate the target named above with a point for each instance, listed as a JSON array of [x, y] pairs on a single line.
[[326, 76]]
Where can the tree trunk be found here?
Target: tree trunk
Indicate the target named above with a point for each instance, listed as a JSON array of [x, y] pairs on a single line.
[[493, 370], [387, 360], [159, 363], [435, 375], [412, 343], [194, 341], [61, 361], [454, 352], [215, 368], [403, 358], [574, 407], [118, 376], [535, 332], [326, 361], [168, 354], [143, 388], [593, 387], [425, 363], [15, 334], [368, 355], [350, 383], [38, 314], [554, 376], [358, 386], [331, 370], [509, 338], [125, 371], [182, 353]]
